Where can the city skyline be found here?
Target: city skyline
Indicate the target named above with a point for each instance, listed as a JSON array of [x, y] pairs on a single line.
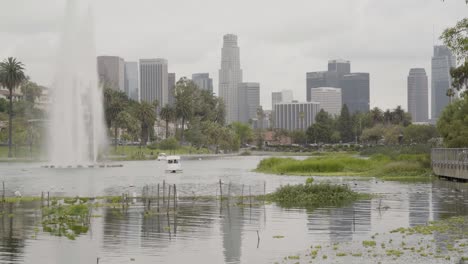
[[294, 40]]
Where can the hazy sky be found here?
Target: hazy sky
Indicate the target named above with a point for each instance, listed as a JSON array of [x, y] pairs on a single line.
[[279, 40]]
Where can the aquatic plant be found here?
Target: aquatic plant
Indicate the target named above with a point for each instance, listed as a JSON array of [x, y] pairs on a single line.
[[66, 220], [313, 195]]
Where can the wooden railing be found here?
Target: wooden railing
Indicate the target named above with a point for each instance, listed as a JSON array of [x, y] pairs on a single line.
[[450, 162]]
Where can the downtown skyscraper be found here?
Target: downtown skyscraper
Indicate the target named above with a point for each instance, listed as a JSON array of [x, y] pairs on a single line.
[[154, 81], [442, 61], [418, 95], [230, 76]]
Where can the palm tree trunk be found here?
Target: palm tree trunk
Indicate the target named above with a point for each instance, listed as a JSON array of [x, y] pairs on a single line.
[[167, 128], [183, 128], [10, 124], [115, 139]]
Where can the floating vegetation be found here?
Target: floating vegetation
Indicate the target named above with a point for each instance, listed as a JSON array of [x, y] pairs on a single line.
[[278, 237], [368, 243], [66, 220], [314, 195], [443, 241]]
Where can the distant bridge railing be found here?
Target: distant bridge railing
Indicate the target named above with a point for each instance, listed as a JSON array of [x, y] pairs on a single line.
[[450, 162]]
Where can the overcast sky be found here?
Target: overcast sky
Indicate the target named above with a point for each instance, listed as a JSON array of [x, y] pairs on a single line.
[[279, 40]]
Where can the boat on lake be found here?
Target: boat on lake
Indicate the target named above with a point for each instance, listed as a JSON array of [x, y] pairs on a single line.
[[162, 156], [173, 164]]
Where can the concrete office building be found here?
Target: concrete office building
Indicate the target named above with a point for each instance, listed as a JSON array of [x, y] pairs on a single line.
[[203, 81], [355, 87], [418, 95], [355, 92], [329, 99], [131, 80], [295, 116], [285, 96], [442, 62], [111, 72], [341, 67], [171, 78], [249, 101], [230, 75], [154, 81]]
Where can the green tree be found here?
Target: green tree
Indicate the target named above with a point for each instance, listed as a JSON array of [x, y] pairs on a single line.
[[115, 102], [299, 137], [321, 130], [373, 134], [456, 38], [146, 114], [453, 124], [376, 116], [345, 125], [11, 76], [31, 91], [419, 133], [243, 131], [168, 114], [185, 98]]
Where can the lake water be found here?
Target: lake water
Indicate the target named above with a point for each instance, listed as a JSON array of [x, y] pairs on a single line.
[[204, 231]]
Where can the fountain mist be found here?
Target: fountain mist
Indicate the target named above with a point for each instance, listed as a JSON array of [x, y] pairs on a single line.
[[77, 131]]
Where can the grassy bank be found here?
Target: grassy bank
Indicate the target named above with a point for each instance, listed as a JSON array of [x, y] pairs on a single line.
[[314, 195], [403, 167], [142, 153]]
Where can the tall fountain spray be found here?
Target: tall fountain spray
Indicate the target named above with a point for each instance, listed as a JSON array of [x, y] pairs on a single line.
[[77, 132]]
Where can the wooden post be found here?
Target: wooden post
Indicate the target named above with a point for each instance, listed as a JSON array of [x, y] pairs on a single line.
[[220, 190], [175, 198], [158, 197], [242, 193], [168, 199], [164, 190], [229, 190], [250, 196], [42, 199], [48, 199], [3, 193]]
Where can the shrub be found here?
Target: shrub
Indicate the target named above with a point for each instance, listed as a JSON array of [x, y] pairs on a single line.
[[169, 144]]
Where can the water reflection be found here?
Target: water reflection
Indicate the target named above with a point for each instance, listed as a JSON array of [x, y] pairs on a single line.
[[204, 232]]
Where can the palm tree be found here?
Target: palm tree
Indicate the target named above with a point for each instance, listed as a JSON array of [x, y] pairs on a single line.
[[167, 114], [145, 112], [398, 115], [376, 115], [11, 76], [185, 94], [450, 93]]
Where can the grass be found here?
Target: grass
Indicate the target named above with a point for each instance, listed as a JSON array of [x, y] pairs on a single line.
[[142, 153], [314, 195], [403, 167]]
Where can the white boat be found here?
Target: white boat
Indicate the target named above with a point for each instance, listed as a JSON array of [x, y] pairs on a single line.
[[173, 164], [162, 156]]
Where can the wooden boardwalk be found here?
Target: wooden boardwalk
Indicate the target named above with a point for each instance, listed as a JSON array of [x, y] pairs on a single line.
[[450, 163]]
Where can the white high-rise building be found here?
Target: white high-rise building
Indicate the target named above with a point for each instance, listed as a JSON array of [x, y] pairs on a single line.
[[154, 81], [230, 75], [131, 80], [249, 101], [418, 95], [295, 116], [329, 98]]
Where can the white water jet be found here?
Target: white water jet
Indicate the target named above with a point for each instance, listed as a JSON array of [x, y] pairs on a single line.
[[76, 131]]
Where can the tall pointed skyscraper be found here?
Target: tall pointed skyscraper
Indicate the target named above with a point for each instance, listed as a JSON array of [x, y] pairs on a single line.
[[442, 61], [230, 75]]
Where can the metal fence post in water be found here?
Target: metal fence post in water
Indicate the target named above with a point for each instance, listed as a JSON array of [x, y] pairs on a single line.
[[48, 199], [250, 196], [3, 193], [158, 197]]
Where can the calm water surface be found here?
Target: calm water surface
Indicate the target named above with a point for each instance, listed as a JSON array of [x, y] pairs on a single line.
[[203, 231]]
